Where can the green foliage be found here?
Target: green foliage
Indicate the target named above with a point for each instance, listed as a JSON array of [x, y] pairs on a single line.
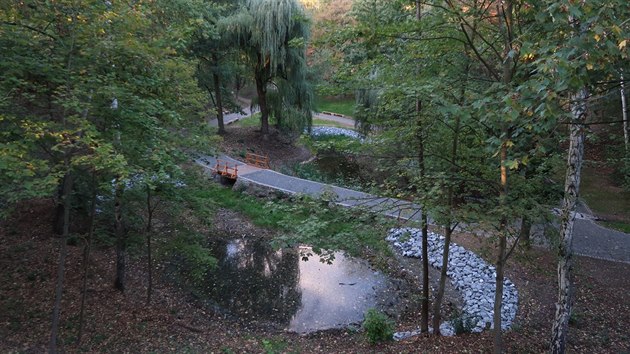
[[328, 123], [247, 122], [463, 323], [273, 346], [602, 196], [272, 35], [198, 260], [302, 220], [326, 227], [334, 143], [378, 327], [65, 64]]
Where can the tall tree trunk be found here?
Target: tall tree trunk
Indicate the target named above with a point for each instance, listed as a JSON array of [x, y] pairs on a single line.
[[149, 230], [61, 267], [575, 158], [217, 90], [437, 304], [261, 91], [505, 9], [448, 229], [525, 232], [424, 312], [498, 293], [59, 209], [121, 241], [624, 114], [424, 324], [86, 259]]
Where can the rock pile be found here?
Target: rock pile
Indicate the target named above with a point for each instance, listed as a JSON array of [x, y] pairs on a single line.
[[334, 131], [470, 274]]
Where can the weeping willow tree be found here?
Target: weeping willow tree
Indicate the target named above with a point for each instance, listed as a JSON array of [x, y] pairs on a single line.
[[272, 35]]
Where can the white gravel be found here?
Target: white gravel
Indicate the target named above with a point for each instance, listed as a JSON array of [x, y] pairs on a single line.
[[334, 131], [470, 274]]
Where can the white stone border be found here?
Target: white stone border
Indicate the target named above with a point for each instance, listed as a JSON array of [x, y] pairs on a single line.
[[471, 275]]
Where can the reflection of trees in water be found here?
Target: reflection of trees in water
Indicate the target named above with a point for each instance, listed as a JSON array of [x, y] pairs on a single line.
[[255, 281]]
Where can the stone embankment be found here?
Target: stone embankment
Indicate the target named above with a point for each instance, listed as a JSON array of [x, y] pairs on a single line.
[[470, 274], [334, 131]]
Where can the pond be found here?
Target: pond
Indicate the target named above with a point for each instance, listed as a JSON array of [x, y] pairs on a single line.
[[257, 283]]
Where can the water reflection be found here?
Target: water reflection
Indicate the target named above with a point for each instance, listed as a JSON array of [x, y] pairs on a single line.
[[256, 282]]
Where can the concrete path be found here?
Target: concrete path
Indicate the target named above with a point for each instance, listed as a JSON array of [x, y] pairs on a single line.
[[230, 118], [342, 196], [345, 121], [589, 239], [592, 240]]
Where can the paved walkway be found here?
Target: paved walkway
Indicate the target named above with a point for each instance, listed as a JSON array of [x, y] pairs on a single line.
[[589, 239], [230, 118], [342, 196], [345, 121]]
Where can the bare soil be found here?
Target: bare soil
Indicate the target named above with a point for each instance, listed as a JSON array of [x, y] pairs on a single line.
[[176, 321], [281, 150]]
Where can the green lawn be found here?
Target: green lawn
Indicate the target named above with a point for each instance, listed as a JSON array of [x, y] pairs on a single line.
[[254, 121], [343, 106], [329, 123], [251, 121]]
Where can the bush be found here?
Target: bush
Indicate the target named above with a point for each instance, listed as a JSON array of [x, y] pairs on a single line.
[[378, 327], [462, 323]]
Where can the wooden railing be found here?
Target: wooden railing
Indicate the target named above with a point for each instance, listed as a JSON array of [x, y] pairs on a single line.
[[257, 160], [224, 168]]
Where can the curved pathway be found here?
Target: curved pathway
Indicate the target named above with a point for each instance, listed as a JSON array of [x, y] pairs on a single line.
[[592, 240], [589, 239]]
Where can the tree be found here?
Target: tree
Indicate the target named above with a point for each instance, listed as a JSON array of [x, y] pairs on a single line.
[[584, 46], [66, 64], [217, 56], [272, 35]]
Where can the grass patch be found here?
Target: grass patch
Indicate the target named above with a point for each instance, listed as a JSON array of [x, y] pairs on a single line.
[[616, 225], [343, 106], [329, 123], [605, 199], [298, 220], [248, 122]]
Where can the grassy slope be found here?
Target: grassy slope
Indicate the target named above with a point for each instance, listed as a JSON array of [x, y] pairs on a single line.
[[343, 106], [606, 200]]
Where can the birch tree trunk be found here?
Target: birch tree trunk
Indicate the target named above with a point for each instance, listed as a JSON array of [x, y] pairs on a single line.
[[565, 249]]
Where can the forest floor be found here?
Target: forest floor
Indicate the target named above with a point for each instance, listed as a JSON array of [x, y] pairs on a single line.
[[176, 321]]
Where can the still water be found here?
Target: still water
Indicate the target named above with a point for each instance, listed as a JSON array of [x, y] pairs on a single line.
[[255, 282]]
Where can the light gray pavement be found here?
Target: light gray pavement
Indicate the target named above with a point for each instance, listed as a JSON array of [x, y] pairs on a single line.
[[230, 118], [589, 239], [342, 196], [592, 240]]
